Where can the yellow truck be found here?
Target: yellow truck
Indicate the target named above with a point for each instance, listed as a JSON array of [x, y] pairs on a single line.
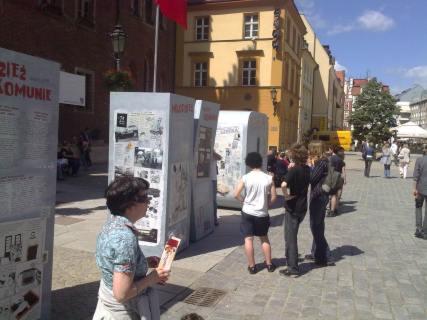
[[335, 138]]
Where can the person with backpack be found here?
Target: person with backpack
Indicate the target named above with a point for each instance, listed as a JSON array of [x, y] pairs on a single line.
[[337, 163], [318, 200], [297, 181], [369, 157]]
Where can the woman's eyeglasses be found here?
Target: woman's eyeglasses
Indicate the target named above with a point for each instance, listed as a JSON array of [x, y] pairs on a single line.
[[143, 199]]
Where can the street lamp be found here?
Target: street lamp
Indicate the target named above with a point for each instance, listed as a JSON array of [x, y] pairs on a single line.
[[273, 94], [118, 38]]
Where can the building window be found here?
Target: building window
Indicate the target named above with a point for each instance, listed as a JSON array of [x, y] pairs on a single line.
[[294, 38], [86, 11], [89, 89], [249, 72], [200, 74], [288, 30], [54, 6], [202, 28], [287, 75], [149, 12], [251, 26], [135, 8]]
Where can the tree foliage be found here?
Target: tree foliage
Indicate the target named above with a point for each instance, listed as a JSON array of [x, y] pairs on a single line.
[[374, 113]]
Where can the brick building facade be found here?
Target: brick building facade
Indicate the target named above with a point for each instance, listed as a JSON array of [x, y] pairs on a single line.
[[75, 33]]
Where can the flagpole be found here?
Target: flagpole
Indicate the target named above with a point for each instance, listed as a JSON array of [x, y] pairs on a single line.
[[156, 43]]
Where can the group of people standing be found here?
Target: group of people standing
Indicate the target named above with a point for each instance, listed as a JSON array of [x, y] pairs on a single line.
[[72, 155], [307, 168], [399, 154]]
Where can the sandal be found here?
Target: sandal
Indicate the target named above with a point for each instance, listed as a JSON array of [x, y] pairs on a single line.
[[252, 270], [270, 267]]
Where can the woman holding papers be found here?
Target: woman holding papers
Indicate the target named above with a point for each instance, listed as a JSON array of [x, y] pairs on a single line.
[[125, 291]]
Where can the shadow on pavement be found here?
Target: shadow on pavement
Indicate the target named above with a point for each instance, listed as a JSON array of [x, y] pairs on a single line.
[[347, 207], [339, 253], [226, 235], [77, 303], [77, 211], [87, 185]]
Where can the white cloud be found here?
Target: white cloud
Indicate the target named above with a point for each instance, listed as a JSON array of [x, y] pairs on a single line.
[[371, 20], [340, 29], [339, 67], [417, 74], [375, 21]]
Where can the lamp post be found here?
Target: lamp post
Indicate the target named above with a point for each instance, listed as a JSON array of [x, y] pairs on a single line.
[[273, 94], [118, 38]]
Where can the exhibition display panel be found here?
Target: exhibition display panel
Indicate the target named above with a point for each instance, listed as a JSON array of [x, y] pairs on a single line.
[[202, 213], [237, 134], [28, 139], [150, 138]]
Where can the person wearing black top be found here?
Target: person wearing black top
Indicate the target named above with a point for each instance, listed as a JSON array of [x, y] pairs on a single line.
[[337, 162], [297, 181], [318, 201]]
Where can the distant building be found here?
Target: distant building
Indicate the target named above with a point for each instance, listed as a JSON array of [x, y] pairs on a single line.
[[352, 89], [413, 106]]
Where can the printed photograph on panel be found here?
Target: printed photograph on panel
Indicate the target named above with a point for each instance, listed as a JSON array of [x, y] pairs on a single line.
[[148, 158], [5, 309], [228, 144], [149, 225], [123, 131], [26, 305], [7, 282], [180, 184], [204, 152]]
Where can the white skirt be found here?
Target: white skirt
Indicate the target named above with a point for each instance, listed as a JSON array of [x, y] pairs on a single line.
[[145, 306]]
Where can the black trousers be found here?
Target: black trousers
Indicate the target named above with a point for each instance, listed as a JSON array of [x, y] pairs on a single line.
[[292, 222], [317, 226], [368, 164]]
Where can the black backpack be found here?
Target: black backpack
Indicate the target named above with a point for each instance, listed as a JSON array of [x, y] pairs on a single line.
[[333, 181]]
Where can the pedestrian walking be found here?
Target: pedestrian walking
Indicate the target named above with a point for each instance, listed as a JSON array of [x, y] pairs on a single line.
[[271, 162], [281, 169], [295, 188], [420, 193], [318, 200], [260, 193], [404, 159], [394, 153], [386, 159], [337, 162], [126, 290], [369, 157]]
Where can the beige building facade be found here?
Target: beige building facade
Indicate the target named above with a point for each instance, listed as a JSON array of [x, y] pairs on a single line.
[[308, 69], [327, 93], [238, 53]]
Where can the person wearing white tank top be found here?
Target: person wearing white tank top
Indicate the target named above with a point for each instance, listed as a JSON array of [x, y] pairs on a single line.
[[260, 193]]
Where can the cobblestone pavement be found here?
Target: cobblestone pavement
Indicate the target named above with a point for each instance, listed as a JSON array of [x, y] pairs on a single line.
[[380, 272]]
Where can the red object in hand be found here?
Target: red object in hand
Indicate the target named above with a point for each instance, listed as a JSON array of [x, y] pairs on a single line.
[[175, 10]]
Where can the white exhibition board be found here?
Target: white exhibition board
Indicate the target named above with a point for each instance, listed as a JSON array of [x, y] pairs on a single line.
[[28, 140], [202, 214], [238, 133], [151, 137]]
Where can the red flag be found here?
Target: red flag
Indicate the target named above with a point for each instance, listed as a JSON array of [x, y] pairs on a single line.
[[175, 10]]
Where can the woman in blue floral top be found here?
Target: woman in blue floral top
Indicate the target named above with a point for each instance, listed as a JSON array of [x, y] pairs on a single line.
[[125, 291]]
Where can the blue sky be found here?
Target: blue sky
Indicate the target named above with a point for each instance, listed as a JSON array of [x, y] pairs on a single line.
[[385, 38]]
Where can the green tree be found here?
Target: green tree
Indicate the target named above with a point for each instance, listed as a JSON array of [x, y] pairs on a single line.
[[374, 113]]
